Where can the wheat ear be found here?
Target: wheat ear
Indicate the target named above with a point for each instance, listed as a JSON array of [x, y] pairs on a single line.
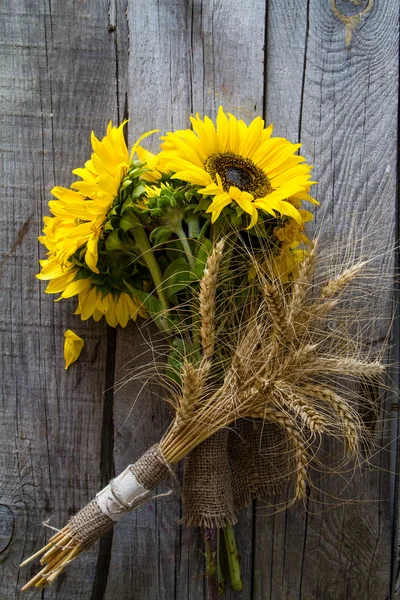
[[307, 413], [208, 286], [337, 285], [302, 283], [351, 426], [329, 295], [190, 390], [294, 438], [276, 307], [346, 366]]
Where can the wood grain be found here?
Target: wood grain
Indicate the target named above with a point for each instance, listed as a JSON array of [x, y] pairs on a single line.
[[68, 68], [332, 91], [58, 82]]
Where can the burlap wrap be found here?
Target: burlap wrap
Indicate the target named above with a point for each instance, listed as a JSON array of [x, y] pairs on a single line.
[[151, 468], [90, 523], [228, 471], [222, 476]]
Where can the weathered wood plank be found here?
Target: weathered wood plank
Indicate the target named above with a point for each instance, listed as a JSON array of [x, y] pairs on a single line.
[[58, 82], [228, 70], [65, 71], [143, 561], [348, 129], [200, 56]]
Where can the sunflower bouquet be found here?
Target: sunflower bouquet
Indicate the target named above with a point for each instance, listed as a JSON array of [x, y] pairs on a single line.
[[207, 239]]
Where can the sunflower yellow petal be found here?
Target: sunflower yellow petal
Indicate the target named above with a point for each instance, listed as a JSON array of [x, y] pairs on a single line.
[[110, 316], [194, 175], [217, 205], [252, 139], [76, 287], [65, 194], [289, 210], [222, 130], [140, 139], [91, 256], [73, 345], [133, 308], [87, 304], [210, 190], [234, 137], [51, 269], [59, 284], [121, 310], [97, 315]]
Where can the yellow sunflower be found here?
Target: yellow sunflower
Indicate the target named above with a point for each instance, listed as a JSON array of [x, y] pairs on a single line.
[[73, 234], [237, 163], [291, 233]]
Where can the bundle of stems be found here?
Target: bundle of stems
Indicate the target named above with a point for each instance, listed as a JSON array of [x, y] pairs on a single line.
[[282, 369]]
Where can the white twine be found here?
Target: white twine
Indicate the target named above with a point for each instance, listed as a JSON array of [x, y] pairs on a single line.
[[122, 494], [46, 524]]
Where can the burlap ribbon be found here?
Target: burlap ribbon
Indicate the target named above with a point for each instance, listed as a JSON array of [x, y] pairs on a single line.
[[229, 470]]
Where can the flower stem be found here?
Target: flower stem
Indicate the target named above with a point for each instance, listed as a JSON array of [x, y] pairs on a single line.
[[143, 244], [211, 570], [185, 244], [202, 233], [220, 575], [193, 225], [233, 558]]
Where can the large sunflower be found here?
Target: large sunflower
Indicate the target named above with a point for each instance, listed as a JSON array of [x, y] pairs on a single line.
[[76, 231], [242, 164]]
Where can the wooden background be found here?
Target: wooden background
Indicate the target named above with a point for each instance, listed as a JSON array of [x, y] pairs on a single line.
[[326, 73]]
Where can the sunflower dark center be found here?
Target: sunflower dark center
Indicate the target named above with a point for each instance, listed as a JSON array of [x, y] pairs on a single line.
[[238, 177], [238, 171]]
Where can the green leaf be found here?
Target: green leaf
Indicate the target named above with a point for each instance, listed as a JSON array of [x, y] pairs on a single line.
[[105, 289], [126, 183], [150, 302], [137, 171], [173, 250], [138, 191], [175, 360], [201, 259], [160, 235], [98, 279], [155, 309], [131, 204], [116, 240], [83, 274], [113, 242], [204, 203], [129, 221], [176, 277]]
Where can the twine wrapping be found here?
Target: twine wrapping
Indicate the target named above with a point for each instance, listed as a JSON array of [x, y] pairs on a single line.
[[91, 522]]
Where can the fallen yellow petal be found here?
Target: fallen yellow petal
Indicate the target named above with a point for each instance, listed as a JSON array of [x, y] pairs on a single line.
[[72, 347]]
